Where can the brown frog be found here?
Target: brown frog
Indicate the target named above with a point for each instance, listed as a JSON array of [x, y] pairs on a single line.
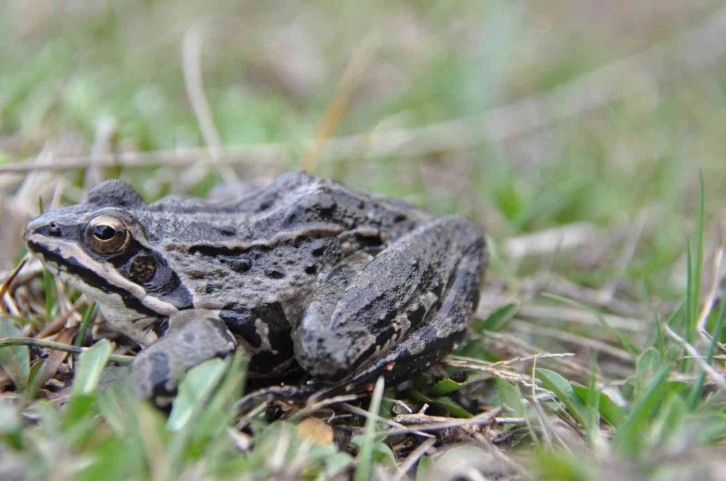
[[305, 272]]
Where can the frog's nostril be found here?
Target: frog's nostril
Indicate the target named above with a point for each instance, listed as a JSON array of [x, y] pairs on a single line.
[[54, 229]]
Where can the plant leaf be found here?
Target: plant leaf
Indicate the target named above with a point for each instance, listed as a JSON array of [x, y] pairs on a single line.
[[90, 366], [445, 386], [628, 439], [611, 412], [565, 393], [194, 389], [15, 360], [510, 396], [453, 407], [497, 319]]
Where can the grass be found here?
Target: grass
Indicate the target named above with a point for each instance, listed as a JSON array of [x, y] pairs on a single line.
[[596, 171]]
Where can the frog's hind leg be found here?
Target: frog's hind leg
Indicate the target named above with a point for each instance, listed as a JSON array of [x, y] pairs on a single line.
[[431, 340], [401, 312]]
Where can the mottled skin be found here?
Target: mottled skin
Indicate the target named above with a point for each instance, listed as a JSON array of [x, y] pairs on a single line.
[[303, 272]]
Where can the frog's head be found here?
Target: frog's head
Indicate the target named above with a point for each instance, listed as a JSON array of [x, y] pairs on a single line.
[[100, 247]]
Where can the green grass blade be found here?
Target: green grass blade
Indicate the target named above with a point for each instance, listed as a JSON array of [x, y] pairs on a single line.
[[565, 393], [88, 317], [510, 396], [497, 319], [610, 412], [364, 470], [628, 438], [695, 285], [90, 367]]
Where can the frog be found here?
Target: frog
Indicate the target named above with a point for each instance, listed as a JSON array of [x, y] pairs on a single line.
[[304, 275]]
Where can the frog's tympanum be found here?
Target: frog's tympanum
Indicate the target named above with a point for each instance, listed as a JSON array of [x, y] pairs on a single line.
[[302, 273]]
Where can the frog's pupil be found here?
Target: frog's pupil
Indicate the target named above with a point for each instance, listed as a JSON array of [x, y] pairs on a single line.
[[104, 232]]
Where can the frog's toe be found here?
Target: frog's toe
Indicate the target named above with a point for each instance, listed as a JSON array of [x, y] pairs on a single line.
[[155, 377]]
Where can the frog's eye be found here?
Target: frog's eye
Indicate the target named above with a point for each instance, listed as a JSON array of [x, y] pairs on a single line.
[[107, 235]]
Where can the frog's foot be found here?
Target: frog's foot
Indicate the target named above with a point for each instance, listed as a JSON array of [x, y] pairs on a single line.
[[401, 312], [193, 337]]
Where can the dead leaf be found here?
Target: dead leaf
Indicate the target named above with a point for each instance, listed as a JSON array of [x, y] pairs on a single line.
[[315, 430]]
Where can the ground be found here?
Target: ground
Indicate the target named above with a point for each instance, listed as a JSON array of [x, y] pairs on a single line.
[[584, 137]]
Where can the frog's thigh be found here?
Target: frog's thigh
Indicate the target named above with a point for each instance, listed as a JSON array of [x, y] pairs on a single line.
[[430, 341], [193, 337], [428, 270]]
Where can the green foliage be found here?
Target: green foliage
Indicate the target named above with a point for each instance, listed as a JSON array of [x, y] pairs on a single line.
[[497, 319], [15, 360]]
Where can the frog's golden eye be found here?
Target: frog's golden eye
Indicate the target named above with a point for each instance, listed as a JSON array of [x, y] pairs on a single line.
[[107, 235]]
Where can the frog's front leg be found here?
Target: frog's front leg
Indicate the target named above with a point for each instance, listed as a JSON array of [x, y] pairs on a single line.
[[398, 313], [193, 336]]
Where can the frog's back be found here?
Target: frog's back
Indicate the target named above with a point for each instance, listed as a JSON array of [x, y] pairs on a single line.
[[272, 245]]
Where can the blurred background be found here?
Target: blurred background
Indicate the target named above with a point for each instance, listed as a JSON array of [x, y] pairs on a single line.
[[574, 131]]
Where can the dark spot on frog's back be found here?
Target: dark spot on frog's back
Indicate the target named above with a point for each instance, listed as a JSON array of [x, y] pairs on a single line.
[[227, 231], [275, 273], [240, 265]]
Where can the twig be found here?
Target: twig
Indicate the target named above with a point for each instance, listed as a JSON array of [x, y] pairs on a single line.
[[484, 419], [9, 280], [194, 84], [307, 410], [573, 339], [362, 412], [547, 241], [30, 341], [555, 284], [567, 314], [413, 457], [58, 323]]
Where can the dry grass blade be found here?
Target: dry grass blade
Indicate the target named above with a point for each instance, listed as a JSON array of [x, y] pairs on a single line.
[[413, 458], [513, 345], [308, 410], [194, 84], [5, 286], [499, 369], [560, 314], [577, 340], [352, 76], [53, 362], [717, 378], [712, 295]]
